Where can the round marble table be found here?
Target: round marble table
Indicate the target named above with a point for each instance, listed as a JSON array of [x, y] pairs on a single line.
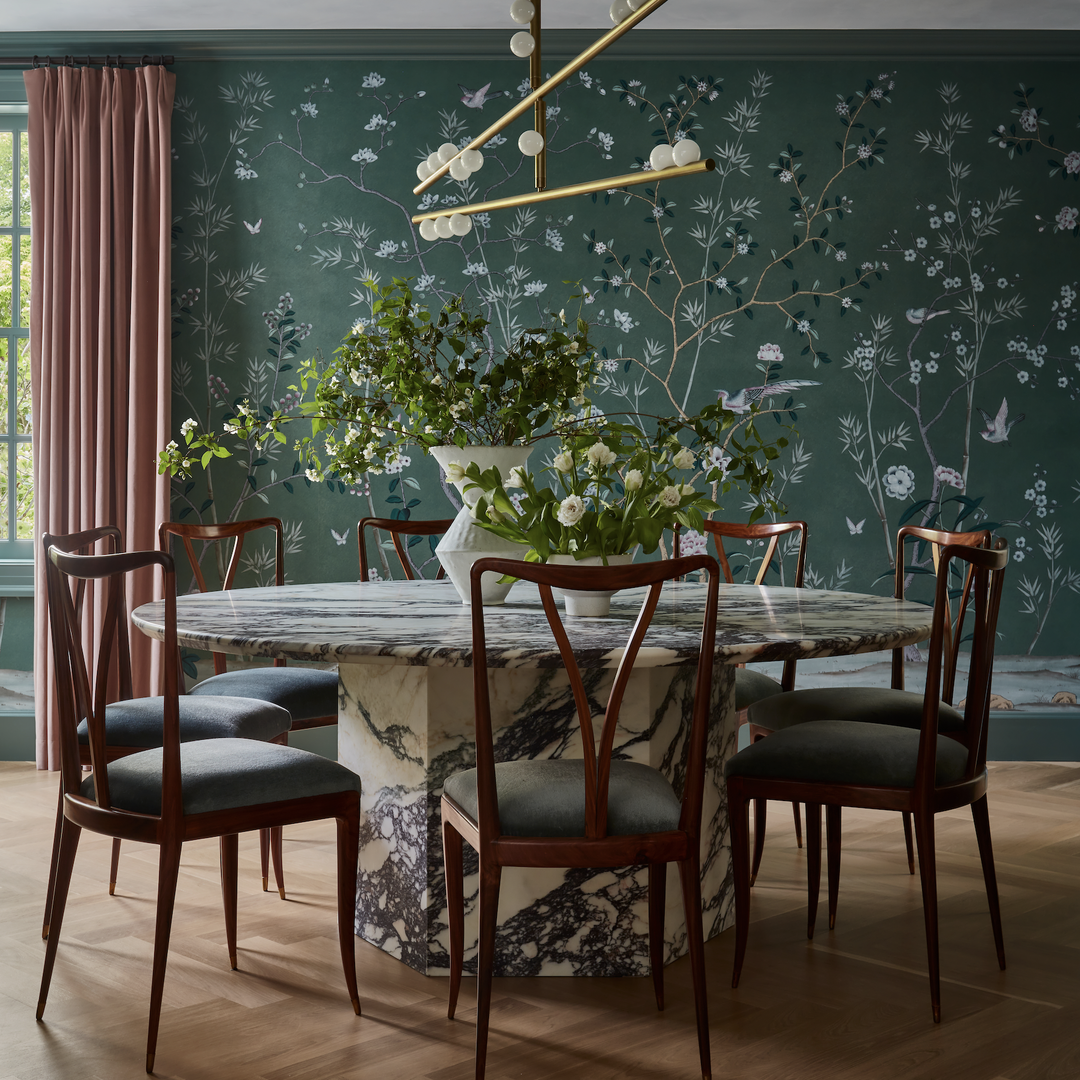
[[405, 714]]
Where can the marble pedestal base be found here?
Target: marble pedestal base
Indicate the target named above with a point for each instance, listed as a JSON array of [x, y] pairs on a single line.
[[404, 729]]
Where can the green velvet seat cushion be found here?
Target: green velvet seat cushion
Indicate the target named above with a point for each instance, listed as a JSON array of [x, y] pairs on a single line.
[[867, 704], [845, 752], [752, 686], [138, 721], [306, 692], [223, 774], [547, 798]]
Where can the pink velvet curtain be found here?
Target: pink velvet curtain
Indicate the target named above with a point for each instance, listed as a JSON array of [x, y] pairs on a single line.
[[100, 157]]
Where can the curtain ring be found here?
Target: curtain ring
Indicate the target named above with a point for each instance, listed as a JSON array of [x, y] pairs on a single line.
[[35, 60], [145, 60]]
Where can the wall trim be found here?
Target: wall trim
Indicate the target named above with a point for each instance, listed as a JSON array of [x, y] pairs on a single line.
[[642, 44]]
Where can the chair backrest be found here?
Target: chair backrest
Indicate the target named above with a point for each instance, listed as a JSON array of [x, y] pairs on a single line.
[[984, 575], [414, 531], [596, 751], [236, 531], [116, 686], [79, 693], [770, 532], [958, 592]]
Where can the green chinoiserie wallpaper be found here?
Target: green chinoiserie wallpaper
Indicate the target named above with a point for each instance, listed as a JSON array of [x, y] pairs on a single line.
[[897, 242]]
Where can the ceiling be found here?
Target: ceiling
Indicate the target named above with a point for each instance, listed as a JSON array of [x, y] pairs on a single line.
[[104, 15]]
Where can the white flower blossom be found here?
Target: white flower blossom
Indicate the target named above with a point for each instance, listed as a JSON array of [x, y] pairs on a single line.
[[633, 480], [670, 496], [600, 454], [571, 510], [899, 482], [683, 459], [455, 472], [564, 462]]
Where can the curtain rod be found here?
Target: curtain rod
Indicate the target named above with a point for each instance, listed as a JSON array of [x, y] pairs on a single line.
[[85, 61]]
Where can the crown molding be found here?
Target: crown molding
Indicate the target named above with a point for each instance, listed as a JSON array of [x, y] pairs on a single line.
[[639, 44]]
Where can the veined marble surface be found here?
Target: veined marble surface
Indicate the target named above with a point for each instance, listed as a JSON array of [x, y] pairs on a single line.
[[404, 654], [423, 623]]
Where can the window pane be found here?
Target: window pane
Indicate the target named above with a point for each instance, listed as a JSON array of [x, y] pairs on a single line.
[[7, 176], [5, 450], [5, 280], [23, 315], [24, 493], [4, 344], [24, 180], [22, 389]]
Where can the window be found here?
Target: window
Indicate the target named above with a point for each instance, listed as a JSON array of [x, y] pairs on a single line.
[[16, 462]]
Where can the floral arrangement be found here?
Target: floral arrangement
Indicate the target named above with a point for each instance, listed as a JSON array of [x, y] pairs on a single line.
[[407, 377], [611, 492]]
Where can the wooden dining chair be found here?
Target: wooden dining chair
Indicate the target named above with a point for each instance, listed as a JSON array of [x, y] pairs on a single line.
[[309, 694], [181, 790], [922, 770], [751, 685], [596, 811], [405, 535], [889, 706], [133, 724]]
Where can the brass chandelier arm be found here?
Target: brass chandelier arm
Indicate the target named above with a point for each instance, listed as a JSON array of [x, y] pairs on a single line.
[[585, 188], [530, 99]]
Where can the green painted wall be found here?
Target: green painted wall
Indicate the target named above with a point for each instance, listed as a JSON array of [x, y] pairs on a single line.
[[292, 183]]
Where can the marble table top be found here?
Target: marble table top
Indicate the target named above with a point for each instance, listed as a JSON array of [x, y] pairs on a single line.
[[424, 623]]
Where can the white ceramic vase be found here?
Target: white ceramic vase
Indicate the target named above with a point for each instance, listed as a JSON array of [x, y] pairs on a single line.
[[584, 602], [465, 542]]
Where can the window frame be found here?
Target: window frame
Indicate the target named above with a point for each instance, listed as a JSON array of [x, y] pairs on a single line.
[[16, 555]]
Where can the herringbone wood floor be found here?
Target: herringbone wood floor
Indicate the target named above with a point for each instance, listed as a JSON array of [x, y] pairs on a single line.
[[853, 1005]]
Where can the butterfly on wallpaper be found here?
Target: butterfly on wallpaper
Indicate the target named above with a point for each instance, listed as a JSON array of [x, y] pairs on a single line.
[[340, 538], [253, 229], [853, 528]]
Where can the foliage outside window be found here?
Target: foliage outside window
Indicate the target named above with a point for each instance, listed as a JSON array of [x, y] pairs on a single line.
[[16, 473]]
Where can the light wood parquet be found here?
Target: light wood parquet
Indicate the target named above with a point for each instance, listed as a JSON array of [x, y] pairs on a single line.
[[852, 1005]]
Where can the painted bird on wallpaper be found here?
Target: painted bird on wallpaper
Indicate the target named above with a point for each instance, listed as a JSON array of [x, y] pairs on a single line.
[[920, 315], [741, 402], [477, 99], [998, 427]]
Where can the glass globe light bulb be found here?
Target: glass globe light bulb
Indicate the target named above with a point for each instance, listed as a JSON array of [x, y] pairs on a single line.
[[522, 43], [661, 157], [460, 224], [459, 170], [619, 10], [427, 229], [434, 161], [473, 160], [442, 228], [530, 143], [686, 152], [521, 11], [423, 170], [447, 151]]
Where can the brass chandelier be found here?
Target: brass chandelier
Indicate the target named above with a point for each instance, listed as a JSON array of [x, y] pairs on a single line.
[[680, 159]]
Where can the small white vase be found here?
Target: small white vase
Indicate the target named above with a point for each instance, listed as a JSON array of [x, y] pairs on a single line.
[[586, 603], [465, 542]]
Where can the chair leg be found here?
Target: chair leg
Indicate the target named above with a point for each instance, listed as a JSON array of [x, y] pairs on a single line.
[[657, 902], [51, 889], [690, 876], [981, 815], [66, 847], [924, 834], [453, 852], [760, 817], [229, 861], [276, 856], [798, 824], [168, 871], [348, 856], [739, 823], [832, 845], [114, 865], [909, 844], [264, 857], [813, 864], [490, 880]]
